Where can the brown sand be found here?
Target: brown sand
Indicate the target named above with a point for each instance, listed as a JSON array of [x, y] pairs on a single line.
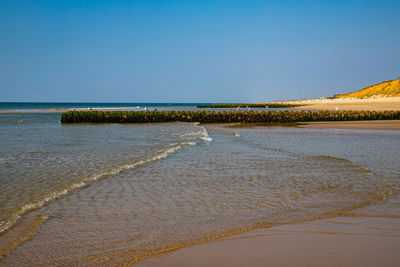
[[372, 104], [356, 125], [340, 241]]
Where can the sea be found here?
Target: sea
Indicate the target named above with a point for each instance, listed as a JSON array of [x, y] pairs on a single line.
[[115, 194]]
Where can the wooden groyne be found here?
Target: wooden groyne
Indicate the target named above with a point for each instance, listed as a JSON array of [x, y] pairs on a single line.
[[269, 105], [223, 116]]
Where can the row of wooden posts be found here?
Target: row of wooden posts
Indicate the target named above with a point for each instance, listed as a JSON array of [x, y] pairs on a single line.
[[223, 116]]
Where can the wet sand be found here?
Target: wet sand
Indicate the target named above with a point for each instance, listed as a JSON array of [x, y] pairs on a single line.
[[354, 125], [356, 240]]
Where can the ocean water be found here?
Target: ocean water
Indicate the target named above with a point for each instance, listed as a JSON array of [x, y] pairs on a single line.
[[101, 194], [35, 107]]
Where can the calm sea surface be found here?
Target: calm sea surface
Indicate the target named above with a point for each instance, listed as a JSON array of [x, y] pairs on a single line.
[[118, 193]]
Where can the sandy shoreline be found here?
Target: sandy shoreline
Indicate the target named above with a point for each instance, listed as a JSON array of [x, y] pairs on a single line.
[[372, 104], [341, 241], [368, 236], [354, 125]]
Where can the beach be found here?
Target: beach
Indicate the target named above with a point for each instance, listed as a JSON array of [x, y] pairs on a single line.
[[341, 241], [372, 104], [184, 193], [369, 104], [354, 125]]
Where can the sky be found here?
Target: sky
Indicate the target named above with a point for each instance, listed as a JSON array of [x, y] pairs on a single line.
[[194, 51]]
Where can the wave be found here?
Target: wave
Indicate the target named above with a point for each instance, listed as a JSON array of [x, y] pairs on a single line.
[[205, 136], [202, 134], [188, 143], [162, 154]]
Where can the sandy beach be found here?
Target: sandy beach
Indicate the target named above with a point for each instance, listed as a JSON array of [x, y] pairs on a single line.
[[372, 104], [368, 236], [342, 241], [354, 125]]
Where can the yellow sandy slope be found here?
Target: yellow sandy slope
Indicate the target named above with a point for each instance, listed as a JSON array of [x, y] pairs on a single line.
[[388, 88]]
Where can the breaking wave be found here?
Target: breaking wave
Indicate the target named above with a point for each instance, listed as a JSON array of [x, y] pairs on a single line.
[[202, 134]]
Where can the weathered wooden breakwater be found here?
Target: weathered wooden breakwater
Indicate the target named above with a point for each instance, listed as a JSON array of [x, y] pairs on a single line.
[[269, 105], [223, 116]]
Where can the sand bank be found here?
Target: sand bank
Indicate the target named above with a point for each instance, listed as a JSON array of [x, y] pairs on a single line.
[[372, 104], [340, 241], [356, 125]]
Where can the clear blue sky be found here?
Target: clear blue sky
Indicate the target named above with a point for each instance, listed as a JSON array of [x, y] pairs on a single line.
[[194, 51]]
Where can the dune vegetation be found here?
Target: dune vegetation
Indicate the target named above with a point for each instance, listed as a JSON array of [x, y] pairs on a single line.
[[223, 116], [383, 89]]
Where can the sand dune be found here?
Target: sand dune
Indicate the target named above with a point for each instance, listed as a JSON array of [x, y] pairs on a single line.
[[387, 88]]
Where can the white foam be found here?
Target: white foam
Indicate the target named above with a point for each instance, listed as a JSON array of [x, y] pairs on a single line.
[[188, 143], [202, 134], [206, 138]]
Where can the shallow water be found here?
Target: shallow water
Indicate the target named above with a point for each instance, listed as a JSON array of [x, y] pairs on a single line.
[[126, 192]]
